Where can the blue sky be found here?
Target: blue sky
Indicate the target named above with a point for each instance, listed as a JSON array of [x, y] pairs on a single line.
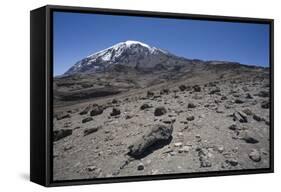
[[78, 35]]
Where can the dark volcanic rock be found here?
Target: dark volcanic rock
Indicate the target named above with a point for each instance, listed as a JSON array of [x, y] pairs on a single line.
[[263, 94], [232, 161], [265, 104], [87, 119], [190, 118], [249, 96], [247, 111], [233, 127], [85, 110], [216, 90], [191, 105], [63, 116], [164, 91], [91, 130], [196, 88], [59, 134], [223, 98], [248, 137], [97, 110], [158, 136], [257, 118], [240, 116], [238, 101], [114, 101], [182, 87], [160, 111], [115, 111], [140, 167], [204, 159], [149, 94], [145, 106]]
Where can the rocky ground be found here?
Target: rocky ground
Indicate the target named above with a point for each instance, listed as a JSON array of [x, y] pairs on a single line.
[[211, 121]]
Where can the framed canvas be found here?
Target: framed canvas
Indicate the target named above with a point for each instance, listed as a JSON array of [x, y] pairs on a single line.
[[123, 95]]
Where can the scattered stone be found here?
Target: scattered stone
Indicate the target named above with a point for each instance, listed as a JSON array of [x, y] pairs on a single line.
[[160, 111], [247, 111], [149, 94], [128, 116], [223, 98], [214, 91], [204, 157], [255, 155], [220, 149], [263, 94], [212, 84], [182, 87], [168, 121], [245, 89], [248, 137], [140, 167], [164, 91], [97, 110], [115, 111], [91, 168], [156, 137], [219, 110], [238, 101], [87, 119], [67, 148], [145, 106], [196, 88], [233, 127], [249, 96], [257, 118], [190, 118], [91, 130], [59, 134], [265, 104], [114, 101], [85, 110], [240, 116], [232, 161], [63, 116], [191, 105]]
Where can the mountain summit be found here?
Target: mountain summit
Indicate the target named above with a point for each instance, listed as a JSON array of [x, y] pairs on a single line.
[[133, 54]]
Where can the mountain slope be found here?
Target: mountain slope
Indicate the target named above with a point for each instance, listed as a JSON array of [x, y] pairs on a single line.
[[133, 54]]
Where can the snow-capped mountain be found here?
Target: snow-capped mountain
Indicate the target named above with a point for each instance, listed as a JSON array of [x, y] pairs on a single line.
[[133, 54]]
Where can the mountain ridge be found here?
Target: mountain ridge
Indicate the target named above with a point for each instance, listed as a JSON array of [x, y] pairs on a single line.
[[129, 53]]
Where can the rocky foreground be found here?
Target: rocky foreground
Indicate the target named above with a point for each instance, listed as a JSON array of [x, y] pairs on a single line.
[[180, 126]]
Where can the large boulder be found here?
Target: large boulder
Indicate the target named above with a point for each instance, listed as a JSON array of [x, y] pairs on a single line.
[[156, 137]]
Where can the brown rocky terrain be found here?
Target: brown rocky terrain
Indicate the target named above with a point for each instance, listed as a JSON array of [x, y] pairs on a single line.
[[127, 122]]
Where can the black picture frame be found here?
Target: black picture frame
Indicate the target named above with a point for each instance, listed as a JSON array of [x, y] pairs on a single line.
[[41, 70]]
